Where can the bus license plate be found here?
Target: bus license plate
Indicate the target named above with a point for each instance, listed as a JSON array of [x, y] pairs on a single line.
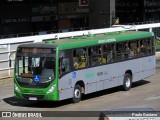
[[32, 98]]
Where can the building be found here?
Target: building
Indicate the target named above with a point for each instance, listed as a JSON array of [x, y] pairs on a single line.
[[25, 16], [131, 11], [151, 10], [101, 14]]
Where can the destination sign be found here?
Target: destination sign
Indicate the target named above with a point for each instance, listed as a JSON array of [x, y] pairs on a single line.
[[37, 50], [27, 75]]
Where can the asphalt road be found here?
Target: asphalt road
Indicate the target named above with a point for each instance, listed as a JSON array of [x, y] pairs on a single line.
[[144, 94]]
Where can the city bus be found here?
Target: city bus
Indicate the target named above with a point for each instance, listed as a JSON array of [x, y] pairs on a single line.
[[55, 70]]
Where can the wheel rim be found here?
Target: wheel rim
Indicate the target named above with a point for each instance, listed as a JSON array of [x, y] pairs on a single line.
[[128, 82], [77, 93]]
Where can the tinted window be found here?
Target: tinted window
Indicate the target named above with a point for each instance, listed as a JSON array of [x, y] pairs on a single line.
[[80, 59]]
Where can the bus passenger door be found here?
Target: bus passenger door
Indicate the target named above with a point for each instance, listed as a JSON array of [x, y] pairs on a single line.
[[65, 77]]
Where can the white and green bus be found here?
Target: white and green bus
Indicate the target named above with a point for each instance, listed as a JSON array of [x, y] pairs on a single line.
[[55, 70]]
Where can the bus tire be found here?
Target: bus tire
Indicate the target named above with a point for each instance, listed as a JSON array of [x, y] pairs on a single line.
[[127, 82], [77, 94]]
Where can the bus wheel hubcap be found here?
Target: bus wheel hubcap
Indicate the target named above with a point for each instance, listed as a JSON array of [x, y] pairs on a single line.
[[128, 82], [77, 93]]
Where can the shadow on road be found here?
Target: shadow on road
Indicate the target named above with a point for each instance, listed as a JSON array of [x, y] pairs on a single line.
[[36, 104], [140, 83], [114, 90], [50, 104]]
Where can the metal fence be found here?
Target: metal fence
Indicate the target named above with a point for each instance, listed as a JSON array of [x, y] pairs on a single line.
[[7, 52], [42, 32], [8, 46]]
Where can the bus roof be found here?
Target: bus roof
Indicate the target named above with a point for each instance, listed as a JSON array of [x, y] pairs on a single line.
[[84, 41], [89, 40]]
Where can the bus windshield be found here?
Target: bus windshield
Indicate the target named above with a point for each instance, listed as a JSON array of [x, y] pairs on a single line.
[[35, 70]]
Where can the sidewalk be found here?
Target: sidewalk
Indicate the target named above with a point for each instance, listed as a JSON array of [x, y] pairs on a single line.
[[157, 55]]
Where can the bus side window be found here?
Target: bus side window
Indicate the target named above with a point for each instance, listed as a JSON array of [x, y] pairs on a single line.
[[149, 46], [96, 56], [152, 45], [120, 51], [79, 58], [64, 65], [145, 47], [64, 62], [102, 59], [133, 49], [108, 52]]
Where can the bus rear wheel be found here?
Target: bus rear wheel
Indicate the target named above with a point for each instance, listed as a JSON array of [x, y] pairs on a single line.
[[127, 82], [77, 94]]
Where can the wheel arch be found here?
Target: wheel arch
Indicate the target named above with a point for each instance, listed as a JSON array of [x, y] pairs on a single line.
[[129, 72], [81, 83]]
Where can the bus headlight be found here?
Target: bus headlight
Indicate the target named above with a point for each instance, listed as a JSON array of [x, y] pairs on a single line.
[[51, 89], [16, 88]]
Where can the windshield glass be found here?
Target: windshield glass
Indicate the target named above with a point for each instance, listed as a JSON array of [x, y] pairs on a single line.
[[35, 70]]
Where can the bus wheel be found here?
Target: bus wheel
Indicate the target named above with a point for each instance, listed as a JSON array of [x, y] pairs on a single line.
[[127, 82], [77, 94]]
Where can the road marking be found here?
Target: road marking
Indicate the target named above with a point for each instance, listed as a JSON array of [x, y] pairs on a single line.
[[153, 98]]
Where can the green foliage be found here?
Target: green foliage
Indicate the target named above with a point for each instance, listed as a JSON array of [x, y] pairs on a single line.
[[157, 42]]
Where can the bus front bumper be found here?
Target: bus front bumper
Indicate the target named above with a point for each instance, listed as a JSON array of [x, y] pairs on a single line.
[[35, 97]]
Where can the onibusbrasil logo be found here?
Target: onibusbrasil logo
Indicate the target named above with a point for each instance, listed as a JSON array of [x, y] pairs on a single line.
[[21, 114]]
